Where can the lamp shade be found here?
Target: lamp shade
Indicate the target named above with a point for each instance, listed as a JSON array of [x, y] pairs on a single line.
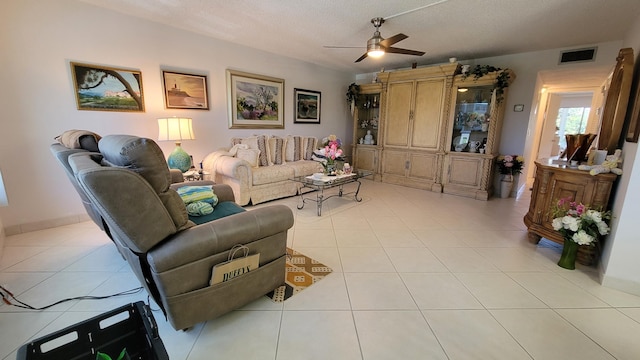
[[175, 129]]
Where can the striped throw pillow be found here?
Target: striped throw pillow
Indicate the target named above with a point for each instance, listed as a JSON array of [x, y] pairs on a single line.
[[276, 150]]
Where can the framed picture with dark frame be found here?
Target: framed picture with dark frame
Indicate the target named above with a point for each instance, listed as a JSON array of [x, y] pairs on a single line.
[[255, 101], [105, 88], [307, 106], [185, 91]]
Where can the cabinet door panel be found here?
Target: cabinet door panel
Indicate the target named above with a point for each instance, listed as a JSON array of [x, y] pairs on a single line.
[[398, 110], [394, 163], [423, 166], [465, 171], [366, 159], [427, 114]]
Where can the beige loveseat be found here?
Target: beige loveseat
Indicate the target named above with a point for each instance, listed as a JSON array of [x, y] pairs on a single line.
[[260, 168]]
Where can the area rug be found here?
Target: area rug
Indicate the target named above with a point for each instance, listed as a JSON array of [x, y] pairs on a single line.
[[301, 272]]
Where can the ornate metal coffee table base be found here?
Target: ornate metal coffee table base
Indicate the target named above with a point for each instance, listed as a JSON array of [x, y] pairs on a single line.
[[320, 185]]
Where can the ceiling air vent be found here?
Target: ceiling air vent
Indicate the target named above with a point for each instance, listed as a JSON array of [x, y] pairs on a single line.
[[578, 55]]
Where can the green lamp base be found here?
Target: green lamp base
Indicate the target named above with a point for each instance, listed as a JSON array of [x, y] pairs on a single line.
[[179, 159]]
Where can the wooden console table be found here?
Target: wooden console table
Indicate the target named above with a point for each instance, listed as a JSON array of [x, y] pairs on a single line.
[[553, 182]]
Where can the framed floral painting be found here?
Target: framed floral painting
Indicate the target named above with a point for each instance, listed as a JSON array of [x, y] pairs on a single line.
[[255, 101], [103, 88]]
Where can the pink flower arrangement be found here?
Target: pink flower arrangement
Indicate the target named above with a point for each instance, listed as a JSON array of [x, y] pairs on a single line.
[[510, 164], [332, 149]]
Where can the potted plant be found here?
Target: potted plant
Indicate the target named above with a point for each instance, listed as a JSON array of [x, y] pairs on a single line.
[[353, 92], [502, 80], [508, 165]]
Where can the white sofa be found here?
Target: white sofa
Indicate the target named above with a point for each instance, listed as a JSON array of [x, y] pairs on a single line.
[[260, 168]]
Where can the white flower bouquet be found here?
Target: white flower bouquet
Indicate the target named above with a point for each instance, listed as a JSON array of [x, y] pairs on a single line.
[[578, 223]]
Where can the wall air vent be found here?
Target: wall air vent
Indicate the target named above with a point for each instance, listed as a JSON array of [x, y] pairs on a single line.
[[578, 55]]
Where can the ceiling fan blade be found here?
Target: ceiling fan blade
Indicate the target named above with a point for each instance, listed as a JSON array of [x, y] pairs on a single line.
[[343, 47], [361, 57], [404, 51], [392, 40]]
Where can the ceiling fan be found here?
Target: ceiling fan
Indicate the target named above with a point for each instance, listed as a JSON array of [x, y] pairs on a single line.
[[378, 46]]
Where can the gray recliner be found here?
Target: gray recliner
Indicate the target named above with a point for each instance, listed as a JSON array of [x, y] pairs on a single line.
[[129, 186]]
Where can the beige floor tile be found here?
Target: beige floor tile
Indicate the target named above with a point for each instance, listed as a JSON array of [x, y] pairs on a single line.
[[463, 260], [612, 330], [546, 335], [329, 293], [396, 335], [238, 335], [498, 291], [398, 238], [414, 260], [18, 328], [439, 291], [473, 334], [371, 291], [316, 335], [556, 291], [358, 259], [356, 238]]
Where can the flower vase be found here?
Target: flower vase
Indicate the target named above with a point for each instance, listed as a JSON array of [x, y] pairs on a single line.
[[330, 169], [569, 253], [506, 185]]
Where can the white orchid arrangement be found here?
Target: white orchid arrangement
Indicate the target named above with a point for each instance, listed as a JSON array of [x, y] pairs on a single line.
[[579, 223]]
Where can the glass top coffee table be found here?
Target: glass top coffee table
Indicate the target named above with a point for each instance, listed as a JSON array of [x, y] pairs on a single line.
[[321, 183]]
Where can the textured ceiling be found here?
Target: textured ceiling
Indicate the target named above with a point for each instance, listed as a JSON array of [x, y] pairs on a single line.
[[465, 29]]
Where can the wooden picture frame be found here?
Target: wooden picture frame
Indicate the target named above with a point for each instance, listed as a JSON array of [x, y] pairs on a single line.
[[633, 130], [105, 88], [255, 101], [185, 91], [307, 106]]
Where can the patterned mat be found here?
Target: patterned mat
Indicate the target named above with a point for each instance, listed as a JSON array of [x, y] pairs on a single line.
[[302, 272]]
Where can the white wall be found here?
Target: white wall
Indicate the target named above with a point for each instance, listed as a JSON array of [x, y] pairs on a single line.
[[39, 38], [620, 267]]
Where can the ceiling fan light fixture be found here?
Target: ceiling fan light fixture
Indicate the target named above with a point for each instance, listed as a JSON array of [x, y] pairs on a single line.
[[375, 53], [374, 49]]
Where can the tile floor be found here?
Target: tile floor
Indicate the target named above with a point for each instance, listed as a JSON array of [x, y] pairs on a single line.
[[418, 275]]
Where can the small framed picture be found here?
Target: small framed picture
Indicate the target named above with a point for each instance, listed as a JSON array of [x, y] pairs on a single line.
[[518, 107], [185, 91], [307, 106]]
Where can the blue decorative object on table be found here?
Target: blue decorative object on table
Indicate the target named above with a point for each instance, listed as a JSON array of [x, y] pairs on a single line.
[[176, 129]]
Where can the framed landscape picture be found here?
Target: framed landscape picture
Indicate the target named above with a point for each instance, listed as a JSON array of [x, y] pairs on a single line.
[[104, 88], [255, 101], [185, 91], [307, 106]]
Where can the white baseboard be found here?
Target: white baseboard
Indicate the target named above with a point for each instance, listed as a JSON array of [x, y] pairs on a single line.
[[627, 286], [45, 224]]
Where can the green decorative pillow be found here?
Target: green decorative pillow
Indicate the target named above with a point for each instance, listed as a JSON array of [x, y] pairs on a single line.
[[199, 208], [191, 194]]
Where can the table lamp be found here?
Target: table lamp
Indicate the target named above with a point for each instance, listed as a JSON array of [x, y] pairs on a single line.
[[176, 129]]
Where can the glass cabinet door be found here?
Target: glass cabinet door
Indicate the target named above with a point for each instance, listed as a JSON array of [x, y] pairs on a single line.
[[471, 119], [368, 118]]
